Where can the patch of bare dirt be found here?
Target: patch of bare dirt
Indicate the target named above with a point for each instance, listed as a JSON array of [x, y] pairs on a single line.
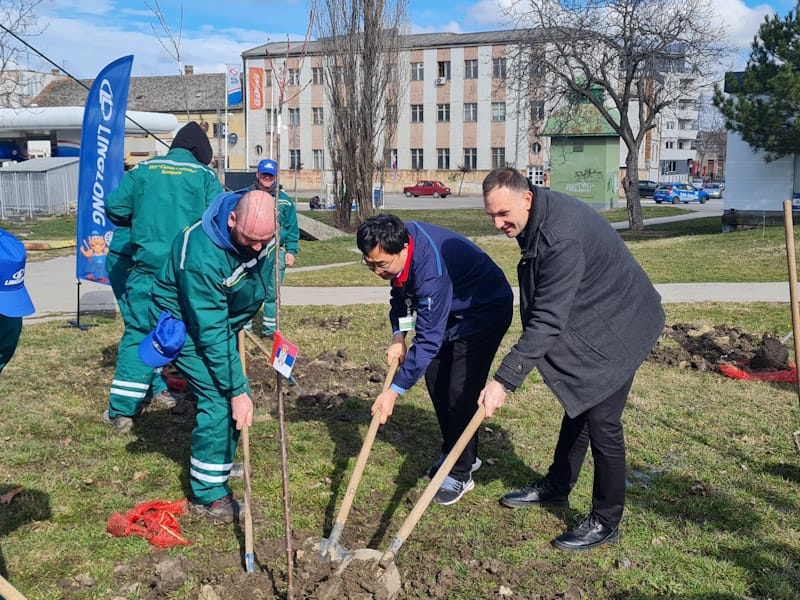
[[703, 348]]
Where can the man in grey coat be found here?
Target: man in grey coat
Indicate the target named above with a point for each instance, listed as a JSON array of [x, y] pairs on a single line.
[[590, 316]]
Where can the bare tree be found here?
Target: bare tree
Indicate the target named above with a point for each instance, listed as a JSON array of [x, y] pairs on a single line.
[[361, 42], [171, 44], [17, 19], [628, 59]]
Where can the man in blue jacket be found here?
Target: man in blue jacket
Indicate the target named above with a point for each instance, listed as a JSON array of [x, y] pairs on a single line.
[[590, 317], [459, 304]]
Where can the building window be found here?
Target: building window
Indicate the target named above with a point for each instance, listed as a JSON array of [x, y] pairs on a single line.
[[536, 147], [270, 116], [443, 113], [471, 68], [498, 157], [317, 115], [417, 71], [499, 68], [470, 112], [268, 77], [317, 77], [319, 159], [416, 159], [294, 77], [219, 130], [537, 110], [391, 113], [294, 160], [294, 116], [498, 111], [670, 166], [416, 113], [680, 145], [444, 69], [471, 158], [577, 146], [669, 145], [443, 158], [536, 175], [670, 125]]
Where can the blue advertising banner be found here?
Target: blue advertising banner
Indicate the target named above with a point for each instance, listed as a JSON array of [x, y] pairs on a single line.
[[233, 86], [101, 166]]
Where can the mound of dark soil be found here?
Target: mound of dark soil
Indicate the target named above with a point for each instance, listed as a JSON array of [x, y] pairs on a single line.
[[702, 348]]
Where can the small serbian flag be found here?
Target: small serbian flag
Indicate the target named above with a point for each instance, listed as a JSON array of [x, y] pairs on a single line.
[[283, 354]]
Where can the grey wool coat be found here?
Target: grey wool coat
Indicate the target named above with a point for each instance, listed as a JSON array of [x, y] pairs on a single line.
[[590, 314]]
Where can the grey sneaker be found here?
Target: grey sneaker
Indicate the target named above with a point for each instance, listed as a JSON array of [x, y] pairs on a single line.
[[120, 423], [163, 399], [225, 510], [452, 490], [435, 466], [237, 471]]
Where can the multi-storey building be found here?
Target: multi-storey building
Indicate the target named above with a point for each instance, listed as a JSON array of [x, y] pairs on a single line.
[[459, 111], [678, 131]]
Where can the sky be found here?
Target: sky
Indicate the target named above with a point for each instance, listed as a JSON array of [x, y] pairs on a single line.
[[82, 36]]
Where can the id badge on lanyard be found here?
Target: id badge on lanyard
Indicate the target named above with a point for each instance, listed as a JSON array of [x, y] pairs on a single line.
[[409, 322]]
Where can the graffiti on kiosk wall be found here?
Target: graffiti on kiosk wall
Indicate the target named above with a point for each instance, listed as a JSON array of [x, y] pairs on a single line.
[[582, 187]]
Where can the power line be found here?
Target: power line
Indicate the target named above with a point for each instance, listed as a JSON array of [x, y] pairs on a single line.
[[75, 79]]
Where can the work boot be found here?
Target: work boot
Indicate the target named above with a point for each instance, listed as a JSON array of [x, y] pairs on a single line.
[[452, 490], [120, 423], [538, 493], [431, 472], [589, 534], [163, 399], [224, 510]]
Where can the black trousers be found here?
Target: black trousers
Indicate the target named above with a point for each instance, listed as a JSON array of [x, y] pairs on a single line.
[[454, 380], [600, 427]]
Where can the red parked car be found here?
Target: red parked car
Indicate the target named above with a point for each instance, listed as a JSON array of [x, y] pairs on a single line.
[[427, 188]]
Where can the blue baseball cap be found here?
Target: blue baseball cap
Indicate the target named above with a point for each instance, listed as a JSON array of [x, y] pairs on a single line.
[[14, 298], [268, 166], [164, 343]]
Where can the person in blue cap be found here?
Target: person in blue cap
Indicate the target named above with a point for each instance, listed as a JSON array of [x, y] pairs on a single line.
[[267, 181], [15, 302]]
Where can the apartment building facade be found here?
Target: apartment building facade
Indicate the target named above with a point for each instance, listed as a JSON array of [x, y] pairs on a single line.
[[459, 113]]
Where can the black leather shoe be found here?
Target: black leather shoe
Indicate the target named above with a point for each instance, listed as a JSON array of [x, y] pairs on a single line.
[[589, 534], [539, 493]]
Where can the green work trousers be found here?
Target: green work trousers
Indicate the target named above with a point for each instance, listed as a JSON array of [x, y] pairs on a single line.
[[270, 317]]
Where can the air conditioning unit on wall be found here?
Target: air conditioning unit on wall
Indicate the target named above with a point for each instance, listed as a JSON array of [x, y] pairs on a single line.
[[440, 81]]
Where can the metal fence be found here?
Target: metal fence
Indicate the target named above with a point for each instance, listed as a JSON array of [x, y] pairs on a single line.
[[41, 186]]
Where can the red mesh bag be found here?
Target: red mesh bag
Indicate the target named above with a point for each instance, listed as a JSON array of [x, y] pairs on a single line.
[[786, 376], [154, 520]]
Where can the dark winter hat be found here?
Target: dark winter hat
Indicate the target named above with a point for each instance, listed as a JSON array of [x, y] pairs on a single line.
[[14, 298], [192, 138], [164, 343], [268, 166]]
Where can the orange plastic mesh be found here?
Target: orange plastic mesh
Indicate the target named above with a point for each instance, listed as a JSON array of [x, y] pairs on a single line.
[[786, 376], [155, 521]]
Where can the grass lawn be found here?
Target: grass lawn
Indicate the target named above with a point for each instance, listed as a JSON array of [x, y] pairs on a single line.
[[713, 507], [713, 497]]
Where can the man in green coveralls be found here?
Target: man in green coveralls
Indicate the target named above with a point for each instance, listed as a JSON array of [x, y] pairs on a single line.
[[216, 277], [157, 199], [119, 263], [15, 302], [266, 181]]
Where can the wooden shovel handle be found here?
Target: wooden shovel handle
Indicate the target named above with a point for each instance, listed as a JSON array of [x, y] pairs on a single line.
[[349, 495], [422, 504], [249, 554], [8, 591]]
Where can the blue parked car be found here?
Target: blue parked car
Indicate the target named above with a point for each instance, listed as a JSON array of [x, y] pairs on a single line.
[[679, 192]]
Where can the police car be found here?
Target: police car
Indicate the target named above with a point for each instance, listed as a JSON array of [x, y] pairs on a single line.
[[679, 192]]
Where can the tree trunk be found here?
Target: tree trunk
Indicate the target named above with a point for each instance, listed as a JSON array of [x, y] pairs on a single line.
[[630, 184]]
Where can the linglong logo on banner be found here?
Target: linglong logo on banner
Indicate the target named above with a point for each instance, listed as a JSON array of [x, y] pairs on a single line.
[[102, 155], [234, 86]]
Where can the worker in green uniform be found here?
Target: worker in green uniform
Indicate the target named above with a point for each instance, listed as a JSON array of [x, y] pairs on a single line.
[[266, 181], [216, 277], [15, 302], [157, 199], [119, 263]]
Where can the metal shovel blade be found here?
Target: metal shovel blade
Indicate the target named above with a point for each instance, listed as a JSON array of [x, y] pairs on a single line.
[[361, 574]]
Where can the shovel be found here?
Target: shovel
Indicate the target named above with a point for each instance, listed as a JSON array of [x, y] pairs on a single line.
[[381, 566], [329, 548]]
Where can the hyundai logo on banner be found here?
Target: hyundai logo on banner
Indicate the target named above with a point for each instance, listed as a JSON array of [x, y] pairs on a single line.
[[234, 86]]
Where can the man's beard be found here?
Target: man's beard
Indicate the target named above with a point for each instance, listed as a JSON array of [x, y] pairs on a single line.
[[246, 252]]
